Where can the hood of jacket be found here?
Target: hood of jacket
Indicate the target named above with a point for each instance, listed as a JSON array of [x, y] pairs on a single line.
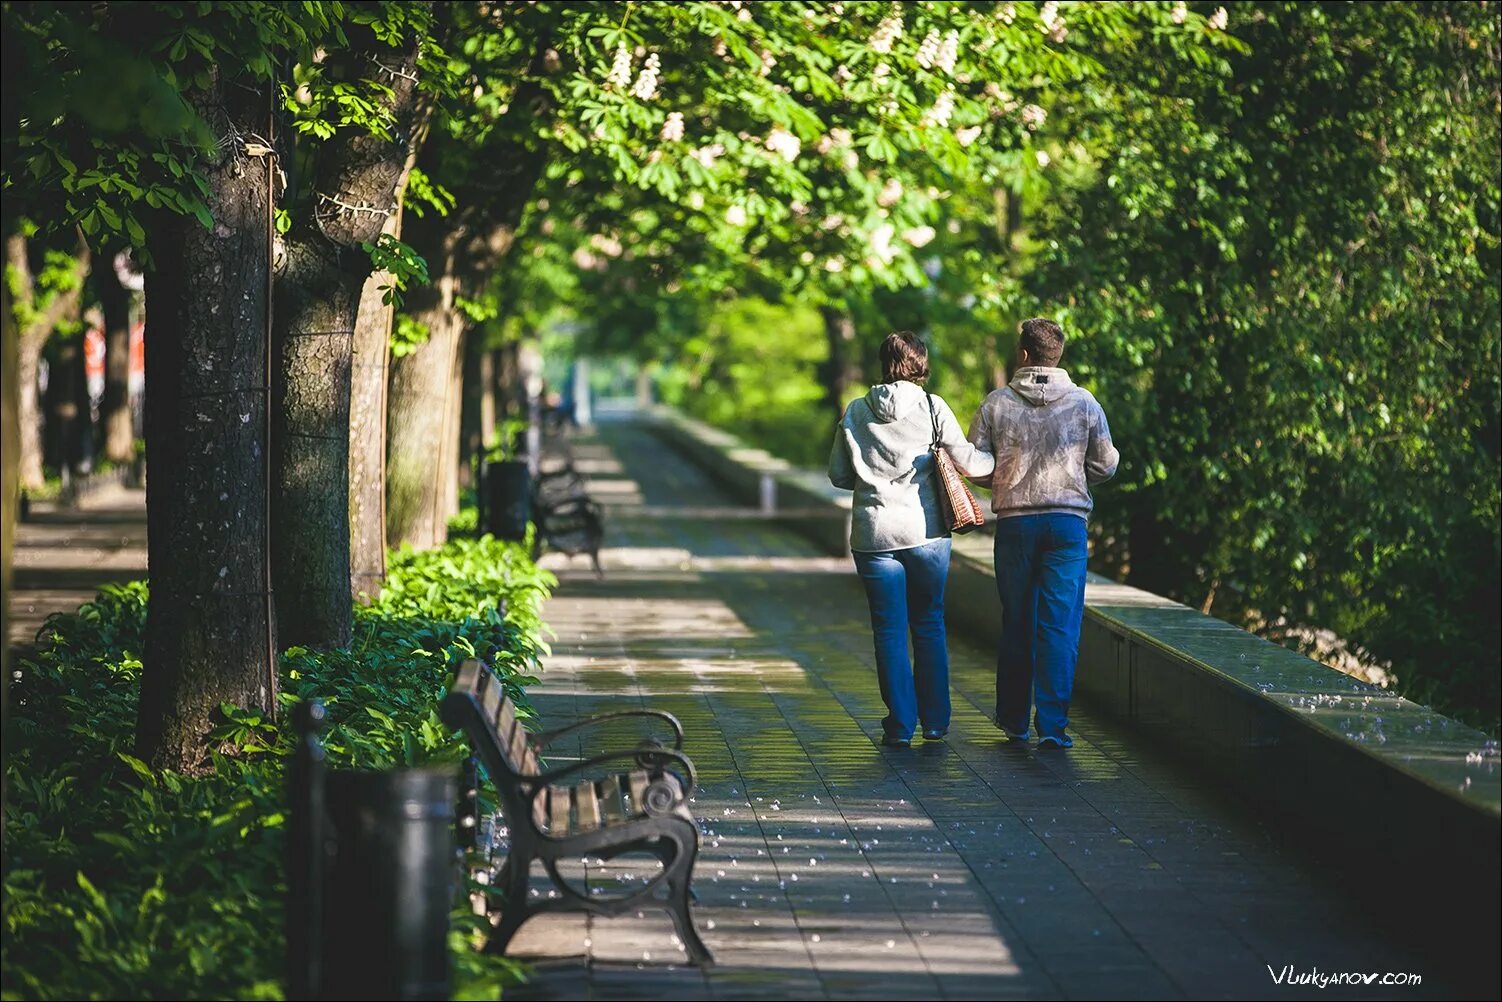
[[1040, 385], [894, 401]]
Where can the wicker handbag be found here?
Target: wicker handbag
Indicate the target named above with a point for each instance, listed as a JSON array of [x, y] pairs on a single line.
[[962, 512]]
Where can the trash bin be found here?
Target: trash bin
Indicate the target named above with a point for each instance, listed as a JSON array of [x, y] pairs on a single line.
[[390, 884], [508, 499]]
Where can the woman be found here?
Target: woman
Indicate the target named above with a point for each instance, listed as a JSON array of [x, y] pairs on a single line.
[[898, 533]]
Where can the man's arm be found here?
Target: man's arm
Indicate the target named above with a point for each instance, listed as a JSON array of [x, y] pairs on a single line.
[[1101, 456]]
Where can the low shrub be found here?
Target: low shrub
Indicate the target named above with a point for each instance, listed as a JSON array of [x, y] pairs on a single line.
[[125, 883]]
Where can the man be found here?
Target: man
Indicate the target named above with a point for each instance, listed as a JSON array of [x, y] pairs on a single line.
[[1051, 444]]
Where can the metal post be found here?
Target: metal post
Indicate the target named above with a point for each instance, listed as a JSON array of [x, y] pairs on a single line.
[[306, 846]]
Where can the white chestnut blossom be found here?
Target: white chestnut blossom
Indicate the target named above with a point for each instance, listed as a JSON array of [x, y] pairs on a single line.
[[1180, 12], [843, 74], [1007, 13], [672, 129], [831, 222], [887, 32], [1043, 158], [744, 14], [834, 265], [735, 215], [890, 193], [1033, 117], [784, 144], [1219, 19], [1049, 15], [968, 135], [881, 243], [620, 70], [850, 160], [720, 48], [695, 200], [882, 71], [928, 51], [949, 52], [919, 236], [841, 136], [707, 155], [645, 88], [1059, 32], [941, 111]]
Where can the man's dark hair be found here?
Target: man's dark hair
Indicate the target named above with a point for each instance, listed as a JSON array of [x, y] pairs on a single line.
[[904, 356], [1043, 340]]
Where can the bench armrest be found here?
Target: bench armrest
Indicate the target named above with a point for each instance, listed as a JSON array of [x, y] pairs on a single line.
[[548, 737], [648, 757]]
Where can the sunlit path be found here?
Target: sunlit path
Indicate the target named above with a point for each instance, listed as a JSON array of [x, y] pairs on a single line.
[[831, 867]]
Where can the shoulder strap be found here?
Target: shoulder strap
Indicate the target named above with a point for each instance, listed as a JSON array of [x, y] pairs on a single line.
[[934, 416]]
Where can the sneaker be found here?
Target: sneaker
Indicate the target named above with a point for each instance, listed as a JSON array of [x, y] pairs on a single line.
[[1049, 741], [888, 741], [935, 733]]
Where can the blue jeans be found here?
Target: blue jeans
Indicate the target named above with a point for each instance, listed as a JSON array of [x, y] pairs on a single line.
[[1040, 575], [905, 589]]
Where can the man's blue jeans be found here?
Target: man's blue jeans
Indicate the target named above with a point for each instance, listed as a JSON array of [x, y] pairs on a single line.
[[905, 589], [1040, 574]]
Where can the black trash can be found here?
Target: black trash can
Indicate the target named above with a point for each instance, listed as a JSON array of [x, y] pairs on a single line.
[[390, 884], [508, 499]]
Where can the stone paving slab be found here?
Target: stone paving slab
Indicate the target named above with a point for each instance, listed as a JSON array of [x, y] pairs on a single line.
[[833, 868]]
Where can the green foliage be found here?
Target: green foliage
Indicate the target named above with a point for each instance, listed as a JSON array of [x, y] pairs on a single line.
[[751, 369], [398, 260], [125, 882]]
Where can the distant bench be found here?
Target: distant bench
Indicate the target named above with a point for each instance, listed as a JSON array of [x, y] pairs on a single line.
[[640, 804]]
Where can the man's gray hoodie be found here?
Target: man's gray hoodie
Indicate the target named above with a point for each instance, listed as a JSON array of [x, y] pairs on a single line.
[[881, 453], [1051, 444]]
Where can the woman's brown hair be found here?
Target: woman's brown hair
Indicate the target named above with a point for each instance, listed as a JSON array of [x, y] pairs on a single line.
[[904, 356]]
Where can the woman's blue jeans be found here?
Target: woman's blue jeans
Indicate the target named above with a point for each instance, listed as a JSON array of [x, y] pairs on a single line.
[[905, 589], [1040, 574]]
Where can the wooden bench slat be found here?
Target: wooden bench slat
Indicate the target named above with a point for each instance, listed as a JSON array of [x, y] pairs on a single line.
[[587, 807], [540, 811], [490, 700], [637, 779], [529, 765], [558, 811], [609, 791]]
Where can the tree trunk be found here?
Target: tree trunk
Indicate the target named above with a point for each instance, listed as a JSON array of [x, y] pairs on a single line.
[[478, 416], [117, 431], [210, 636], [42, 320], [10, 495], [67, 421], [369, 372], [448, 467], [367, 441], [842, 370], [317, 298], [417, 412]]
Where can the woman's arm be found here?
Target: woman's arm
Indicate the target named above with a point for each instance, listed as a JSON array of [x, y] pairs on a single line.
[[841, 469], [973, 460]]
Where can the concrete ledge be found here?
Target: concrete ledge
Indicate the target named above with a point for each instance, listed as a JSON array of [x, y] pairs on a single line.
[[1372, 776]]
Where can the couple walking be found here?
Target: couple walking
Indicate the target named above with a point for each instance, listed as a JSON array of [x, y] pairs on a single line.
[[1039, 443]]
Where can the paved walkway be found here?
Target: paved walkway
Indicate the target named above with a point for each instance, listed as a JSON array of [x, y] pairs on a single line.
[[64, 554], [834, 868]]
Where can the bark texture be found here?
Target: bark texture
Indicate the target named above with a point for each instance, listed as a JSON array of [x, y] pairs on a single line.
[[117, 431], [417, 411], [357, 178], [210, 637], [367, 441]]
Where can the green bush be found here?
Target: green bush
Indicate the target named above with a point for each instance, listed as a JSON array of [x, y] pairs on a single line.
[[122, 882]]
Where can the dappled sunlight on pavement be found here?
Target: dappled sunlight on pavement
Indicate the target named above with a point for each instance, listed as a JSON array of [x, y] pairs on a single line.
[[831, 867]]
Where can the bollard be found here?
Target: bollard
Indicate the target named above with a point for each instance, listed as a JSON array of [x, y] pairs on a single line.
[[768, 494], [391, 884]]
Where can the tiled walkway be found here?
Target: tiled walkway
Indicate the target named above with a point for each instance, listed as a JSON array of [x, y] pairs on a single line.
[[834, 868]]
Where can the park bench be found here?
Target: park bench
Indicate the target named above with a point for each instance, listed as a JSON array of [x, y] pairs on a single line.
[[640, 805], [568, 520]]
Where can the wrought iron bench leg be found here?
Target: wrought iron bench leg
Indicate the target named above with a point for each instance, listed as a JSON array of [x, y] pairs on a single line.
[[686, 838], [514, 910]]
